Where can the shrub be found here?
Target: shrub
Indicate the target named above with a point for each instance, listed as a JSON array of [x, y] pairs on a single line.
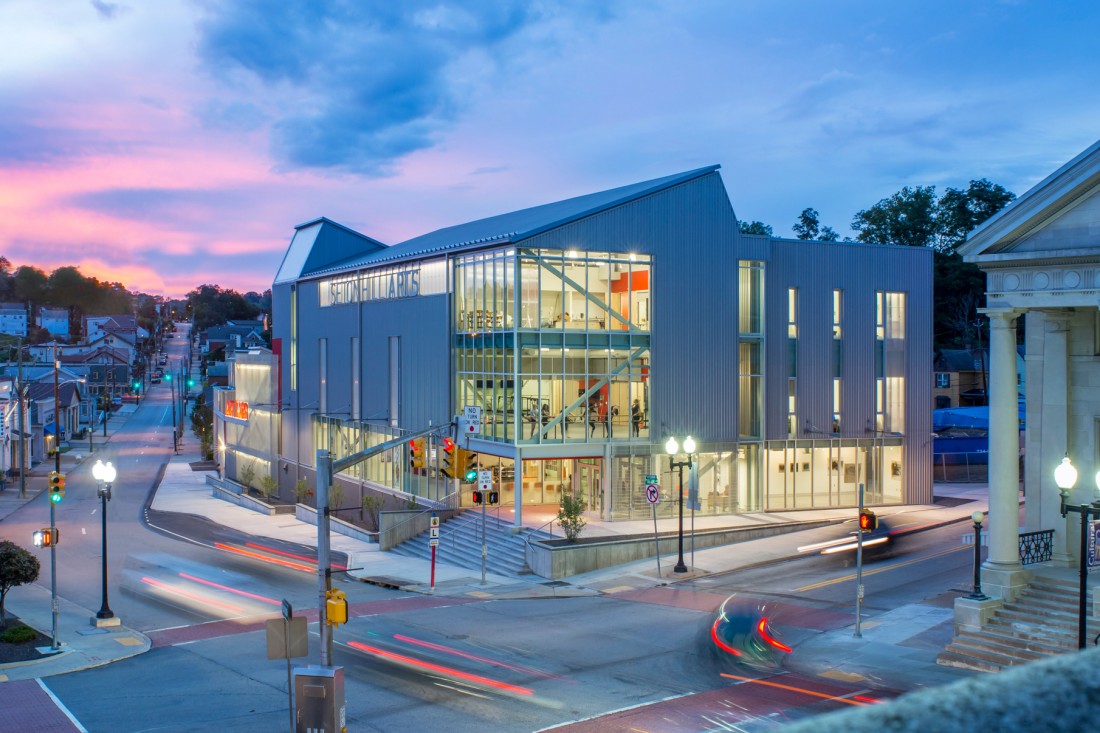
[[18, 634], [269, 486], [571, 516], [372, 505], [335, 496], [302, 492], [246, 474]]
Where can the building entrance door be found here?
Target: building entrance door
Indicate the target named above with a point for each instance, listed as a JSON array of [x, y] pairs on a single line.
[[587, 484]]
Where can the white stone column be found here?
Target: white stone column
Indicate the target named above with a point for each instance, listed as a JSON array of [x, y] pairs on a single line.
[[1002, 575], [1054, 424]]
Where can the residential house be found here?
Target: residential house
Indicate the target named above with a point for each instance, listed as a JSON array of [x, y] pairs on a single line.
[[13, 319], [54, 320]]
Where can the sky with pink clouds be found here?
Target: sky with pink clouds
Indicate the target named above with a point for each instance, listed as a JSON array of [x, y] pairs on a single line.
[[173, 143]]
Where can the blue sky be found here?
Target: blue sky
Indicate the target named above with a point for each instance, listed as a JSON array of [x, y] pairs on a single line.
[[176, 143]]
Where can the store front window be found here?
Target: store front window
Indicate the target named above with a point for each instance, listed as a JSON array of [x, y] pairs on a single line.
[[809, 474]]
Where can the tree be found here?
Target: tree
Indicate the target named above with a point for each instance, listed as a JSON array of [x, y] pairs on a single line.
[[756, 227], [809, 226], [907, 218], [960, 212], [210, 305], [17, 567], [30, 286]]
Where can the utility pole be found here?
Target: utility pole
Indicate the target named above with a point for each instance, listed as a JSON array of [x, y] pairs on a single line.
[[57, 467], [22, 431]]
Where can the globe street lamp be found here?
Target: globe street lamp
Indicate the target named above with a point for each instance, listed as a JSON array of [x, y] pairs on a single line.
[[977, 594], [104, 474], [1065, 476], [672, 447]]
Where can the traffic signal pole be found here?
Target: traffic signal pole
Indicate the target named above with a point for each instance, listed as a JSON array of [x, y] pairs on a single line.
[[324, 563], [53, 521]]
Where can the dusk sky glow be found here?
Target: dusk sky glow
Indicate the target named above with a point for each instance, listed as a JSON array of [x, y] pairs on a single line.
[[173, 143]]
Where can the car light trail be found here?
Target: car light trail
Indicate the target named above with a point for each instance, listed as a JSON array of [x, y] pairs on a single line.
[[792, 688], [762, 628], [853, 545], [718, 642], [440, 669], [313, 561], [265, 558], [472, 657], [169, 588], [883, 569], [219, 586]]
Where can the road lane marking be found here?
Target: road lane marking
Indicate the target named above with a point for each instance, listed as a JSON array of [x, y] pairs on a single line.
[[792, 688], [844, 578], [61, 706]]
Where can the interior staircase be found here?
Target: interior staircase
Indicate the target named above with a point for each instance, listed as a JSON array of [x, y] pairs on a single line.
[[1041, 622], [460, 544]]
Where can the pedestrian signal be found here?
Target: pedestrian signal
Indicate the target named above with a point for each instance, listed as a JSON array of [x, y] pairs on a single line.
[[477, 497], [45, 537], [868, 522]]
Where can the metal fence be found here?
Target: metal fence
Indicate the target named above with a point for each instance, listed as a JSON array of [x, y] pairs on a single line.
[[1036, 547], [957, 468]]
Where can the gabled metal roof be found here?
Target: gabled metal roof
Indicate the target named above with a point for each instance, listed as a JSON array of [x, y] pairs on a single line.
[[518, 225]]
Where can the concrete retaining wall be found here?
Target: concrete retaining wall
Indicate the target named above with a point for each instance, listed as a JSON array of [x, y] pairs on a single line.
[[559, 558], [308, 515], [248, 502], [404, 524]]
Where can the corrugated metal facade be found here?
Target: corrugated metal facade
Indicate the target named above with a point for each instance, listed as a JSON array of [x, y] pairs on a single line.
[[691, 233], [859, 271]]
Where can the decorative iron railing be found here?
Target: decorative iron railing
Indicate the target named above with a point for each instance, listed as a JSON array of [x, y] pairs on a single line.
[[1036, 547]]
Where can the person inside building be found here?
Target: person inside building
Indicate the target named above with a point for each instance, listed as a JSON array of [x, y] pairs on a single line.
[[635, 418]]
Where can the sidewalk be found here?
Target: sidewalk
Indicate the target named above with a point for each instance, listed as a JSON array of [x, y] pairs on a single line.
[[183, 490]]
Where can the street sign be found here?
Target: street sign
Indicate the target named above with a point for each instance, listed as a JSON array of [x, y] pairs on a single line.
[[433, 543], [288, 610], [485, 480], [650, 478], [279, 646], [434, 533], [471, 420], [652, 494], [1094, 539], [435, 520]]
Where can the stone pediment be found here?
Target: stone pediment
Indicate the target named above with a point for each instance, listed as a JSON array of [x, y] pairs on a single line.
[[1056, 219], [1076, 228]]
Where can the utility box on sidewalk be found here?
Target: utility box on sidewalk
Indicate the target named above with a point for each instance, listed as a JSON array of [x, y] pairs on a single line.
[[319, 700]]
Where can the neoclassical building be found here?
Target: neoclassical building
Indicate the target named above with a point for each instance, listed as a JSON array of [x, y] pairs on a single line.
[[1041, 256]]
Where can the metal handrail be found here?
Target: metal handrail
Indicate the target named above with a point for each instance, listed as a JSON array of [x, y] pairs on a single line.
[[424, 511]]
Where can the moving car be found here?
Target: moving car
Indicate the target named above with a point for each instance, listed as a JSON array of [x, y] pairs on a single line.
[[742, 634]]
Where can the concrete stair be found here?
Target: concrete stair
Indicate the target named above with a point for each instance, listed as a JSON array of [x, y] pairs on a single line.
[[460, 544], [1041, 622]]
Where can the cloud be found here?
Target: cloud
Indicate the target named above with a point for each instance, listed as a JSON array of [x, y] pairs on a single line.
[[361, 84], [106, 10]]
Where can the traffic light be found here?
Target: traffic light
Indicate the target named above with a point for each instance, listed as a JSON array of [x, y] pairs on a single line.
[[868, 522], [137, 386], [57, 487], [418, 449], [477, 497], [451, 457], [45, 537], [494, 497], [168, 376], [467, 467], [336, 607]]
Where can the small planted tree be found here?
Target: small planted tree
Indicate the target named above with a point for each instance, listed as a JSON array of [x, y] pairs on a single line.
[[335, 496], [269, 486], [571, 516], [17, 567], [247, 474], [372, 505], [302, 492]]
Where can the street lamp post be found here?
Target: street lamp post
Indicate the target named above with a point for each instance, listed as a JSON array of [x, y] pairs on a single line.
[[1065, 476], [172, 384], [672, 447], [104, 474], [977, 594]]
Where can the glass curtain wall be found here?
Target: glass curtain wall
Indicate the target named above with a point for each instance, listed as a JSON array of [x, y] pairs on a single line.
[[751, 349], [808, 474], [572, 326]]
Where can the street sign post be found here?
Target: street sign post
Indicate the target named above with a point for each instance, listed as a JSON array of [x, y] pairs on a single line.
[[652, 497], [484, 483], [288, 637], [470, 424]]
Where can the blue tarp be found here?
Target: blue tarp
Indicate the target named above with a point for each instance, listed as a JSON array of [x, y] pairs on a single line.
[[966, 417]]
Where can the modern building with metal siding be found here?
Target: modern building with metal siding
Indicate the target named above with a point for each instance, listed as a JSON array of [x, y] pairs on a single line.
[[592, 329]]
